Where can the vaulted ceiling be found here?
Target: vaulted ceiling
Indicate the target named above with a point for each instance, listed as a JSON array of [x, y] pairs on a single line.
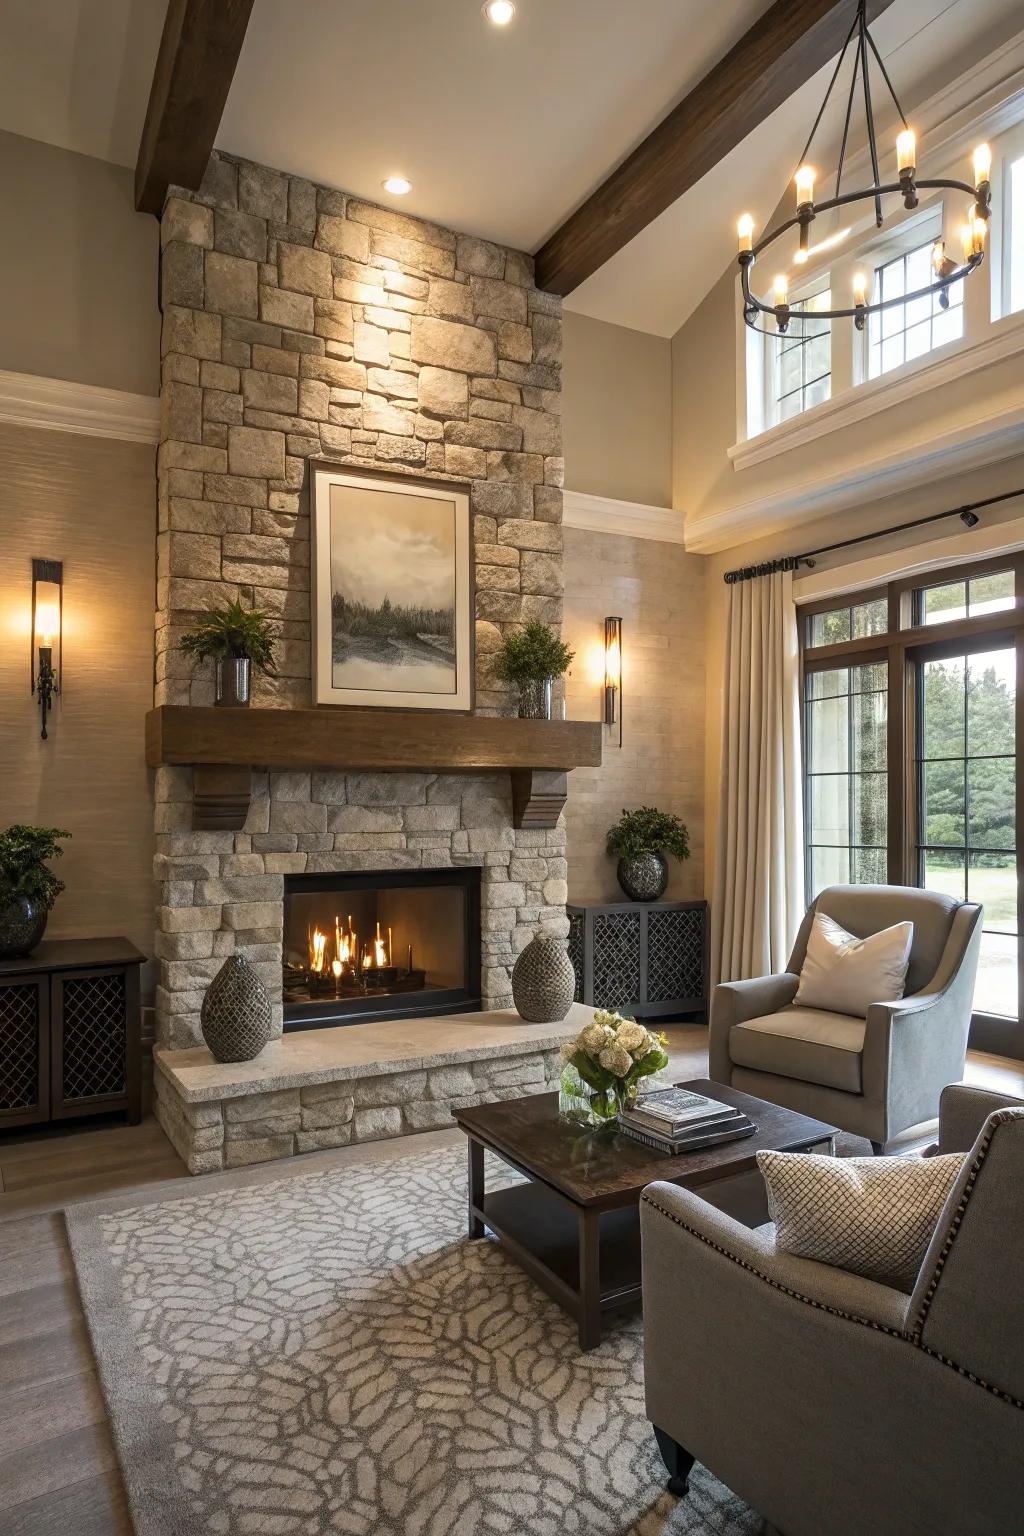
[[501, 132]]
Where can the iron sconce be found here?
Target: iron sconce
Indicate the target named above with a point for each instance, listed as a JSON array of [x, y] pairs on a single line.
[[47, 634], [613, 673]]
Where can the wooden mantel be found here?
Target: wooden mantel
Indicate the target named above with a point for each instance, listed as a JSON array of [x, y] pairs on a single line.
[[223, 745]]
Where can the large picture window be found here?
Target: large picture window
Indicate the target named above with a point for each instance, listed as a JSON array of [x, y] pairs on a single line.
[[911, 740]]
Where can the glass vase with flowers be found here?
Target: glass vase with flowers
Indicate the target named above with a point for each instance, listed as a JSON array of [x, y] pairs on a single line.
[[604, 1067]]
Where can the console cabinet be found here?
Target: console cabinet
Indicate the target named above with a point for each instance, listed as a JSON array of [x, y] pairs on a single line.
[[647, 957], [70, 1032]]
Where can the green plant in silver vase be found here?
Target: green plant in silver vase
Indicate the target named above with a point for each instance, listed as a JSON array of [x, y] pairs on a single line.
[[640, 840], [28, 888], [532, 658], [604, 1067], [238, 639]]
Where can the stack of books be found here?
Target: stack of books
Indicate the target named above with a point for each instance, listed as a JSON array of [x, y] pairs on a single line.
[[676, 1120]]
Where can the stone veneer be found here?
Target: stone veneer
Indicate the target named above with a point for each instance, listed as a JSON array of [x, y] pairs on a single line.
[[299, 321]]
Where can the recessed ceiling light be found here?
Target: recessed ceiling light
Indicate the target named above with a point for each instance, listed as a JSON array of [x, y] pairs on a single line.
[[499, 12], [396, 185]]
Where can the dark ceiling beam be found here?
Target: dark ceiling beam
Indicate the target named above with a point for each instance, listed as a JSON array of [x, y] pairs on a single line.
[[198, 52], [780, 52]]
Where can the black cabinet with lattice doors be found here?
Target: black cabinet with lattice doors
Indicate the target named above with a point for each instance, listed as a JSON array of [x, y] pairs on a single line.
[[70, 1032], [646, 957]]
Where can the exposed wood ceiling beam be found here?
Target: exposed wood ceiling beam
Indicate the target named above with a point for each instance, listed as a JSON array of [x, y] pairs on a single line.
[[198, 52], [780, 52]]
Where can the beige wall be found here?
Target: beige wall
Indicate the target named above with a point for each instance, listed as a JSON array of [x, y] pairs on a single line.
[[78, 270], [617, 410], [91, 503], [659, 591]]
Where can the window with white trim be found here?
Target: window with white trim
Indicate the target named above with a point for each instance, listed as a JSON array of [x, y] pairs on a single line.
[[905, 331], [1013, 281], [798, 364]]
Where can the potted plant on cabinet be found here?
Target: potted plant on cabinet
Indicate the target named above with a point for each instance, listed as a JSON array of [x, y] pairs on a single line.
[[532, 658], [238, 639], [28, 889], [640, 840]]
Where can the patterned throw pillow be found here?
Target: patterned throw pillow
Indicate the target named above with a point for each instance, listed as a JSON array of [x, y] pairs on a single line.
[[871, 1215]]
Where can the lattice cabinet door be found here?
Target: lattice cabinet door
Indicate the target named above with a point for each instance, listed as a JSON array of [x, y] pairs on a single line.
[[24, 1050], [676, 955], [92, 1060]]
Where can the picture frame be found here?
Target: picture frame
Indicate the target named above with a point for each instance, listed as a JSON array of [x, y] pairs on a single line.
[[391, 590]]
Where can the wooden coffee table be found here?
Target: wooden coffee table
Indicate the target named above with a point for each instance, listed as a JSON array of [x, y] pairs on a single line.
[[575, 1226]]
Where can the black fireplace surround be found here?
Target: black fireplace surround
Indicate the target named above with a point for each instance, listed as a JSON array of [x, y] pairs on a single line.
[[380, 944]]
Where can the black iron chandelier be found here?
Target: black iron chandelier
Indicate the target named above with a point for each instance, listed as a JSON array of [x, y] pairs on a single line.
[[946, 270]]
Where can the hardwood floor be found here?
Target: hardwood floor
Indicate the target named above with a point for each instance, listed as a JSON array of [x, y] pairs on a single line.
[[58, 1467]]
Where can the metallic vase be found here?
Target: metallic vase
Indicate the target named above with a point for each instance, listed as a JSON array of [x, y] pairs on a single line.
[[22, 925], [535, 699], [643, 877], [233, 677]]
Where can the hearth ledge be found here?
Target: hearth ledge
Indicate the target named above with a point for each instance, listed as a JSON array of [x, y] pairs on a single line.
[[361, 1082]]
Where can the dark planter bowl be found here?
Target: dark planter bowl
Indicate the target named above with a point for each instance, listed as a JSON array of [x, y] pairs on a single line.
[[22, 925], [644, 877], [233, 681]]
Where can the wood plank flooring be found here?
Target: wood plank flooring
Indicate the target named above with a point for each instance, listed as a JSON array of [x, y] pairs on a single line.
[[58, 1467]]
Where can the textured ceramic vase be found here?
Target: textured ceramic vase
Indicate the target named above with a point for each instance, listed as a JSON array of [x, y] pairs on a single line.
[[643, 877], [543, 981], [233, 681], [22, 925], [235, 1015]]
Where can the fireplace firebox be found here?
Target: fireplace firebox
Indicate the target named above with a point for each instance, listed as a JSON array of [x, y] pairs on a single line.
[[380, 944]]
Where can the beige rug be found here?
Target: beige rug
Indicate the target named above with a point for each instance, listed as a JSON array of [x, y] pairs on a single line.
[[297, 1354]]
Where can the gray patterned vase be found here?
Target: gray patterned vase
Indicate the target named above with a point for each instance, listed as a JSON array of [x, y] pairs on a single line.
[[644, 876], [22, 925], [236, 1012], [543, 981]]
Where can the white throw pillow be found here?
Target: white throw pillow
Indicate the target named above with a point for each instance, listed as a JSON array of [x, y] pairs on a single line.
[[874, 1216], [845, 974]]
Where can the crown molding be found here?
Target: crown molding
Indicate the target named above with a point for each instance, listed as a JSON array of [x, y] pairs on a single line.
[[59, 405], [981, 441], [631, 519]]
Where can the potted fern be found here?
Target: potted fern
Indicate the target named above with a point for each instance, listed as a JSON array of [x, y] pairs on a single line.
[[28, 889], [238, 639], [640, 840], [532, 658]]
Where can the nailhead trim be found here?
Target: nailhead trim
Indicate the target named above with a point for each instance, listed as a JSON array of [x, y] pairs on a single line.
[[851, 1317]]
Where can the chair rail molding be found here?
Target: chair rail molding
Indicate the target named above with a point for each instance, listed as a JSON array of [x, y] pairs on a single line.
[[61, 405], [632, 519]]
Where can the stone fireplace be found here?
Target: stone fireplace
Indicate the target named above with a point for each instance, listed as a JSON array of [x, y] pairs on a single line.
[[380, 944]]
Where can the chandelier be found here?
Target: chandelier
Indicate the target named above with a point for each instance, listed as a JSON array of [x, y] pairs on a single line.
[[946, 270]]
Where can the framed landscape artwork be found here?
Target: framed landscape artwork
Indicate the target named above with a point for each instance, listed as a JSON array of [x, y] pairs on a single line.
[[392, 591]]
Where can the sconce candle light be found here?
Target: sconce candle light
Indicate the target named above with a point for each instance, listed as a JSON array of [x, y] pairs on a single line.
[[47, 634], [613, 673]]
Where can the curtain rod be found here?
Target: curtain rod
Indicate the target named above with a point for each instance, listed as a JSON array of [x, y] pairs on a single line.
[[967, 514]]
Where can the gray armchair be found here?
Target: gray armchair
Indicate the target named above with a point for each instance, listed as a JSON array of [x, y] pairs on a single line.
[[831, 1403], [873, 1077]]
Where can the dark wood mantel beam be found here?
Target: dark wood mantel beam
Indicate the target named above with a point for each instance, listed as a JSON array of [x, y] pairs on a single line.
[[779, 53], [198, 52]]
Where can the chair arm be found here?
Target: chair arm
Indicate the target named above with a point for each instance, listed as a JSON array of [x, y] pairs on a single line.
[[736, 1001], [679, 1221], [963, 1111]]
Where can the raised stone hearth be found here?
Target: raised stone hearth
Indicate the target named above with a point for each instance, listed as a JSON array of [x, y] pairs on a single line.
[[361, 1082]]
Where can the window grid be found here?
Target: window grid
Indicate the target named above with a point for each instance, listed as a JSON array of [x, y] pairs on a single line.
[[802, 362], [853, 860], [907, 331]]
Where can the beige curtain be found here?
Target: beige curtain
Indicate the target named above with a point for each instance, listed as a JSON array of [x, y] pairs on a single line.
[[759, 878]]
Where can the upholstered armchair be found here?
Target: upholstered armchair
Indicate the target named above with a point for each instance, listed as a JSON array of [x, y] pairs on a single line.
[[874, 1076], [829, 1402]]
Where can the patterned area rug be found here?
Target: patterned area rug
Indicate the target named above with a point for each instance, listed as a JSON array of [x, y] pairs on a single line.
[[327, 1353]]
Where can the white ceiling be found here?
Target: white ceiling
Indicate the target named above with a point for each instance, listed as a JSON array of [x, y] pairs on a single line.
[[502, 132]]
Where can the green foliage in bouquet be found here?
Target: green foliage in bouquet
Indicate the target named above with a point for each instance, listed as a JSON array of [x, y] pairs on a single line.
[[648, 831], [232, 632], [532, 654], [23, 872], [609, 1058]]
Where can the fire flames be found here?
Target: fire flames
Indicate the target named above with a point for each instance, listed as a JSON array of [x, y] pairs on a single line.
[[376, 955]]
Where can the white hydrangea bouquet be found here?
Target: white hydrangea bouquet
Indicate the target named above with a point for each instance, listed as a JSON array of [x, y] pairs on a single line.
[[605, 1065]]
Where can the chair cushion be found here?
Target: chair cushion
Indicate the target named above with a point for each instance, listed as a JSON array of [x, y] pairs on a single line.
[[873, 1216], [846, 974], [811, 1044]]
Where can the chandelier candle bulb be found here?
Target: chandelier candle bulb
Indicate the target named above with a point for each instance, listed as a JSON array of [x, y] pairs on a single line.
[[804, 186], [906, 152], [745, 231], [860, 300], [982, 165]]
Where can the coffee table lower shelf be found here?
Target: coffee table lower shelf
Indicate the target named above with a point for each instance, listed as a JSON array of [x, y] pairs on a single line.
[[566, 1250]]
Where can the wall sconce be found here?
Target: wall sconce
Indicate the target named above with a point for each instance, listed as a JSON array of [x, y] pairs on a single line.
[[613, 673], [47, 632]]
